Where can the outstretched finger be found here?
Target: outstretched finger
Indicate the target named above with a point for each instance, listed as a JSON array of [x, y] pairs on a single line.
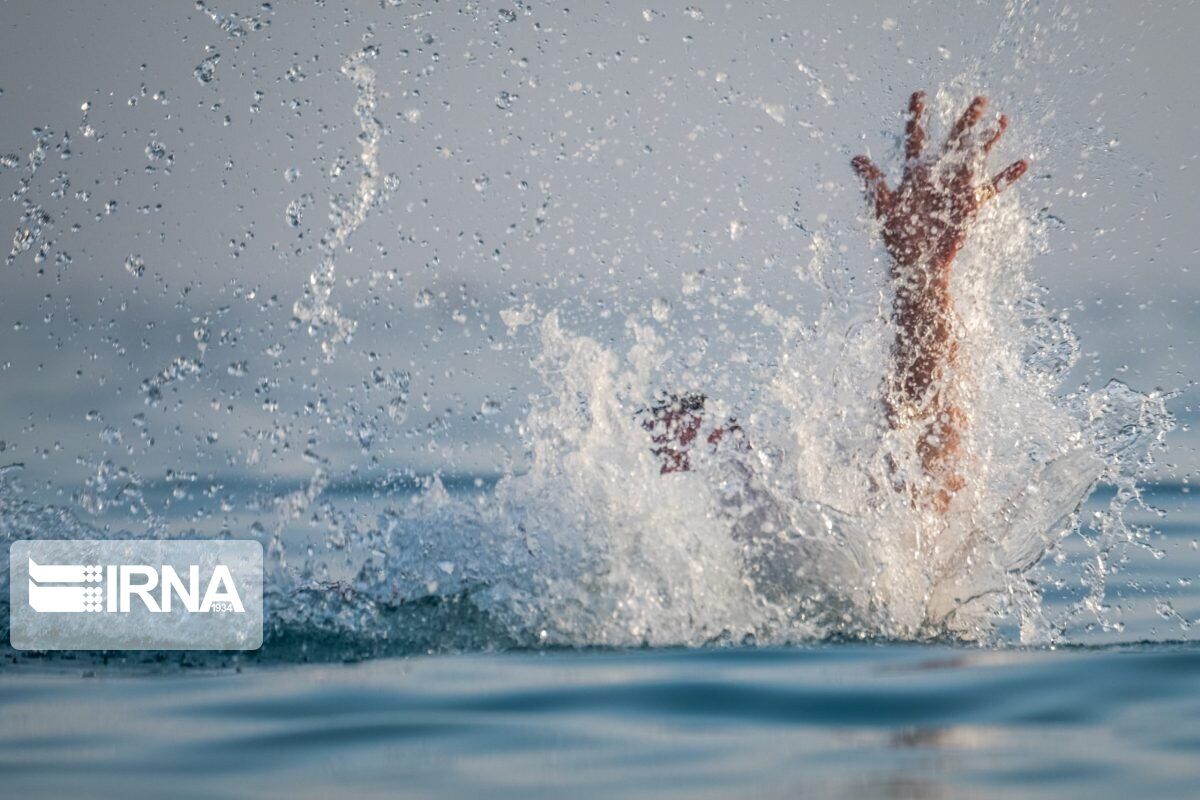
[[972, 115], [914, 131], [873, 179], [995, 137], [1005, 179]]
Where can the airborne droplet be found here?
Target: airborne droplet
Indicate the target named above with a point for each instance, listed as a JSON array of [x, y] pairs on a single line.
[[206, 70]]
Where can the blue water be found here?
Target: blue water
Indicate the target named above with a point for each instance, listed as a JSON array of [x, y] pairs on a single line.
[[846, 721], [1114, 713]]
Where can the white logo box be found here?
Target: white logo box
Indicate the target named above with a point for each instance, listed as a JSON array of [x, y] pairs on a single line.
[[136, 594]]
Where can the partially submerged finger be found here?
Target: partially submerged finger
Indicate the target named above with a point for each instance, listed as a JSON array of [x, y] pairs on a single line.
[[1001, 126], [972, 115], [914, 131], [866, 168], [873, 179], [1004, 179]]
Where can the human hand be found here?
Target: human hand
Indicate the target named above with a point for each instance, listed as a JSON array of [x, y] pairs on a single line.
[[925, 219]]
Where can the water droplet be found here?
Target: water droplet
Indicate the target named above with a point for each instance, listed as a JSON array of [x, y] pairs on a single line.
[[206, 70], [294, 213], [156, 151]]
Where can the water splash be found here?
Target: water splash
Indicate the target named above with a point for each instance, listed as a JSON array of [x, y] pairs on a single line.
[[800, 534], [235, 26], [315, 309]]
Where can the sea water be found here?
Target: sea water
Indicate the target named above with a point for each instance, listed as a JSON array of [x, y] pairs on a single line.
[[434, 699], [820, 719]]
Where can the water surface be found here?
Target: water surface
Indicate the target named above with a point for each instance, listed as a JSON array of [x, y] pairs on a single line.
[[855, 720]]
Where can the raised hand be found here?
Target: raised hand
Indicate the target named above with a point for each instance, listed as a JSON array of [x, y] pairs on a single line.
[[925, 221]]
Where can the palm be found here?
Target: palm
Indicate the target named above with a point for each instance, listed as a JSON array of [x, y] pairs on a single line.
[[925, 218]]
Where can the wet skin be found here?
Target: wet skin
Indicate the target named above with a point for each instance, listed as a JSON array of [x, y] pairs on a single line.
[[924, 221]]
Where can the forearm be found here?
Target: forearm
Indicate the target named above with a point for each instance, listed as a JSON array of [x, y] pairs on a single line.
[[925, 345], [921, 388], [924, 225]]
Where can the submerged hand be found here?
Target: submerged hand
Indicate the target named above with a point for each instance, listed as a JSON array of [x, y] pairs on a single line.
[[675, 425]]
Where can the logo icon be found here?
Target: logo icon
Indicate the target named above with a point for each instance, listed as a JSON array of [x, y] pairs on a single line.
[[221, 593], [58, 598], [136, 594]]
